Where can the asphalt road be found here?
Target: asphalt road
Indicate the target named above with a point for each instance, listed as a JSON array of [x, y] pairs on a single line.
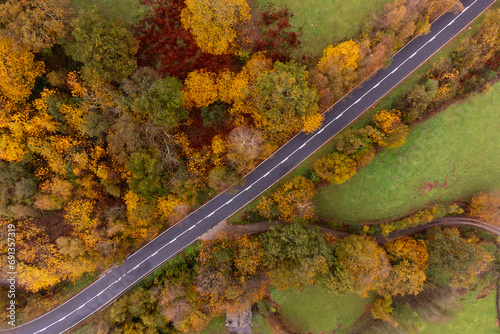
[[120, 279]]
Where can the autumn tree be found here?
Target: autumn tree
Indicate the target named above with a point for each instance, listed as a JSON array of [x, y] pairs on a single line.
[[244, 148], [335, 167], [36, 24], [352, 140], [277, 38], [200, 89], [382, 309], [474, 51], [165, 45], [284, 98], [390, 123], [363, 263], [339, 64], [124, 137], [163, 102], [18, 70], [147, 175], [453, 260], [228, 274], [292, 202], [105, 47], [409, 260], [486, 206], [39, 263], [414, 102], [214, 24], [295, 254], [139, 81]]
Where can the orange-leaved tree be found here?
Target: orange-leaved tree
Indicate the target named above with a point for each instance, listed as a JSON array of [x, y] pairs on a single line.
[[363, 263], [292, 202], [409, 261], [486, 206]]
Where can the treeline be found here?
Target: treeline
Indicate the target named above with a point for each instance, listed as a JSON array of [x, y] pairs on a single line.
[[230, 274]]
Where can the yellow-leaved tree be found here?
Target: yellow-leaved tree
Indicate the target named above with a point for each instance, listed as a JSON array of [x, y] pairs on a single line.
[[339, 64], [214, 23], [200, 89], [18, 71]]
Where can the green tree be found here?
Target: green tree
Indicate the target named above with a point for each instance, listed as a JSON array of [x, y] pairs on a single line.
[[414, 102], [220, 178], [453, 260], [352, 140], [105, 47], [163, 102], [135, 312], [213, 114], [284, 99], [37, 24], [148, 179], [295, 254]]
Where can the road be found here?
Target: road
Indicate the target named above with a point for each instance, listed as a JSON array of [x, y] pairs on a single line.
[[121, 278]]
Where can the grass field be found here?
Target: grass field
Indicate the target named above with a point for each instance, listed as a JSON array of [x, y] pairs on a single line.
[[127, 10], [477, 316], [312, 309], [450, 157], [325, 22]]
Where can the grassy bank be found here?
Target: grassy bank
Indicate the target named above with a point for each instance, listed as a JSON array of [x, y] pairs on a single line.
[[477, 316], [450, 157], [312, 309], [325, 22]]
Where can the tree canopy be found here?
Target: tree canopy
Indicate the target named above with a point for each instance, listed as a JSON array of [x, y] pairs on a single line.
[[283, 98], [163, 102], [18, 70], [105, 47], [36, 24], [214, 23]]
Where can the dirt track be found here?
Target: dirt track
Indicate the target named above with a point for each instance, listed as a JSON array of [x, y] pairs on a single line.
[[256, 228]]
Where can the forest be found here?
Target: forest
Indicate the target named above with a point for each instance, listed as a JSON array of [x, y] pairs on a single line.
[[111, 132]]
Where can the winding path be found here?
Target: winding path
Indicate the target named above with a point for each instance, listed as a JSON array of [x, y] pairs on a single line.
[[121, 278], [261, 227]]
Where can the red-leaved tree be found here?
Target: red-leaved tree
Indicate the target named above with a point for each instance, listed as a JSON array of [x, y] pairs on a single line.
[[277, 37], [166, 46]]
